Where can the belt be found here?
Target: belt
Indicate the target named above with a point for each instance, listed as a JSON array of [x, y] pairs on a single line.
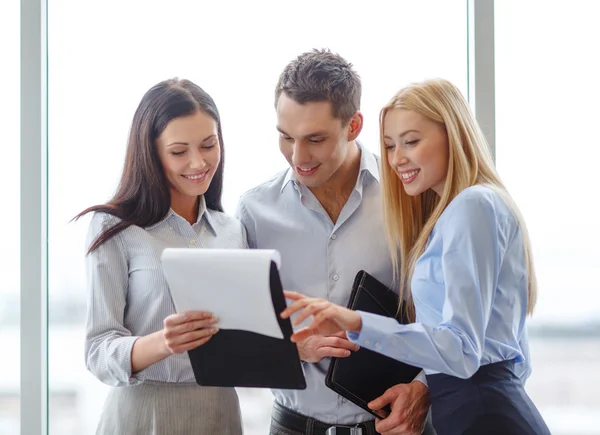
[[309, 426]]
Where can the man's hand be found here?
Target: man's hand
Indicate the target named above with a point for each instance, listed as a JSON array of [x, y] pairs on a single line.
[[315, 348], [409, 403]]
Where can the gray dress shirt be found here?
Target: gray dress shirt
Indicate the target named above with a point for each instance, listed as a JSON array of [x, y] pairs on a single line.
[[320, 259]]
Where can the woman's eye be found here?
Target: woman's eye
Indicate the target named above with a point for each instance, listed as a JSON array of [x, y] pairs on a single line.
[[177, 153], [411, 143]]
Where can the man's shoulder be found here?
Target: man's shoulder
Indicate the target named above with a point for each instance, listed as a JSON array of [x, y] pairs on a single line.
[[267, 191]]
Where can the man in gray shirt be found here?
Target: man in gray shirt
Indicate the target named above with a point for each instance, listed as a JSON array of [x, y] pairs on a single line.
[[324, 215]]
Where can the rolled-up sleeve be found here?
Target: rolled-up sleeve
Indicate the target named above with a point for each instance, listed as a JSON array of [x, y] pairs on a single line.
[[108, 343]]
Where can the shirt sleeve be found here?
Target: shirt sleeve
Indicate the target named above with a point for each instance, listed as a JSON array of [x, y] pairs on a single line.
[[470, 261], [241, 213], [108, 343]]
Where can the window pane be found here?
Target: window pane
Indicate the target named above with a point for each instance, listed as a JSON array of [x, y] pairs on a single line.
[[102, 60], [10, 109], [548, 150]]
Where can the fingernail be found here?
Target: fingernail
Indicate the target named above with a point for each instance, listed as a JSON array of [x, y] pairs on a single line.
[[214, 320], [347, 353], [214, 330]]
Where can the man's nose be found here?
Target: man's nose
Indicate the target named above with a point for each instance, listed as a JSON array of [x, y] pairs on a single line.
[[300, 154]]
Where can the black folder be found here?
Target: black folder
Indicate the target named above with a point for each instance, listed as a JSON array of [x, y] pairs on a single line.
[[236, 358], [366, 375]]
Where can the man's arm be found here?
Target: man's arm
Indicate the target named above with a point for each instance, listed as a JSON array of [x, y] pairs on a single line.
[[241, 214]]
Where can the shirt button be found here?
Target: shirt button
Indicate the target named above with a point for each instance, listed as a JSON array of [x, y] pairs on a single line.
[[378, 345], [367, 342], [170, 227], [192, 242], [334, 236], [335, 277]]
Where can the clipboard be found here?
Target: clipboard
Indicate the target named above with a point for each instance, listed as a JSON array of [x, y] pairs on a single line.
[[236, 356]]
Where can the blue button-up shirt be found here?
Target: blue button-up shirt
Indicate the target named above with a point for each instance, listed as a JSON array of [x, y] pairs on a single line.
[[320, 259], [470, 293]]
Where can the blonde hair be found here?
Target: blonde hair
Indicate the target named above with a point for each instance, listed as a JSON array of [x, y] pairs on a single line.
[[410, 220]]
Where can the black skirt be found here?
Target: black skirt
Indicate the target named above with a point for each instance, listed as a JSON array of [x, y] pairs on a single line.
[[492, 401]]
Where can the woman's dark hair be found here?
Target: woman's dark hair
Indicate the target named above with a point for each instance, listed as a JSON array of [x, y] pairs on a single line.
[[143, 197]]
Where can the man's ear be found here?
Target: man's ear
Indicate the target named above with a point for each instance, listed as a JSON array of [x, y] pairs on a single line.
[[355, 126]]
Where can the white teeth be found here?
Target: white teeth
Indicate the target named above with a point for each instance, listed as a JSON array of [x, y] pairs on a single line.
[[407, 175], [307, 169], [196, 177]]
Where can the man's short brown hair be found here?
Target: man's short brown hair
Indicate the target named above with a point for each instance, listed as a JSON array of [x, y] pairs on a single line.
[[320, 75]]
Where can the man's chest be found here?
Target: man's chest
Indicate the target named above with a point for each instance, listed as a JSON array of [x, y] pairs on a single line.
[[322, 260]]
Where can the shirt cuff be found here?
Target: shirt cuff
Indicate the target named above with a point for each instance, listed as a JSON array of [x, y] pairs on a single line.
[[123, 369], [421, 378], [370, 335]]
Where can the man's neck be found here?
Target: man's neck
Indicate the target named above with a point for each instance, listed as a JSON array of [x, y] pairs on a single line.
[[334, 194]]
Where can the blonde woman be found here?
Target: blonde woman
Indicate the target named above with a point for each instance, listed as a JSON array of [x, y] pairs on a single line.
[[465, 264]]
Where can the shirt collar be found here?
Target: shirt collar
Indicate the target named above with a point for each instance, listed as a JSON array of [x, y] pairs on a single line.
[[203, 212], [368, 163]]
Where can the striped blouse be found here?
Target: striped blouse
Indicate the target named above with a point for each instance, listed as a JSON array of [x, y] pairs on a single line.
[[128, 296]]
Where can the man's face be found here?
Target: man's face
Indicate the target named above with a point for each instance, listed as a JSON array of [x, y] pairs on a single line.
[[314, 143]]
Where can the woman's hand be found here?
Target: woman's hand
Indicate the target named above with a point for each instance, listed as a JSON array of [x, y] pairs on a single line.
[[186, 331], [328, 318]]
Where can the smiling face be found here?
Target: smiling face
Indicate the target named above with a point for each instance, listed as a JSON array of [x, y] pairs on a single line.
[[312, 140], [417, 150], [189, 152]]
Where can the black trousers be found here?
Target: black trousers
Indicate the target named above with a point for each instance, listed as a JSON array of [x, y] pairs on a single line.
[[493, 401]]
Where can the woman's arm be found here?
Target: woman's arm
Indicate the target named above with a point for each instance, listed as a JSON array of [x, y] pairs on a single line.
[[112, 353], [470, 258], [182, 332], [108, 344]]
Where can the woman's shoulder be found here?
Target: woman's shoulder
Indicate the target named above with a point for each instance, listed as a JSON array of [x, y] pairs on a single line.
[[477, 202], [479, 196], [105, 219], [101, 221]]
